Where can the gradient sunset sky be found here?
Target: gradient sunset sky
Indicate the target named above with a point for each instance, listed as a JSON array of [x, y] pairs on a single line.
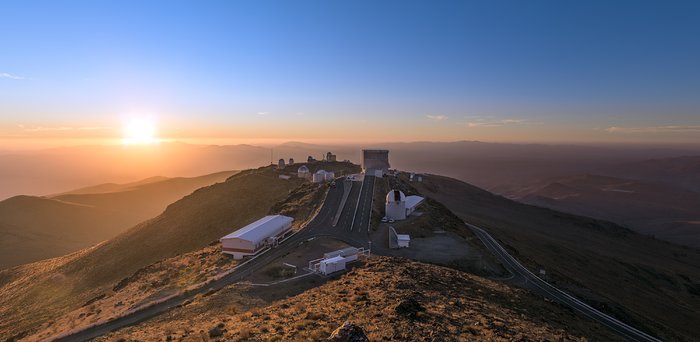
[[349, 71]]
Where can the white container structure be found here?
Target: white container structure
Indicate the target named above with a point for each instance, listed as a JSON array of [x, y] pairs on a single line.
[[253, 238], [332, 265], [403, 240], [349, 253], [335, 261]]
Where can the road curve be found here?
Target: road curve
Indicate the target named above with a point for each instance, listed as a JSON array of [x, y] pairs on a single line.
[[530, 280], [317, 227]]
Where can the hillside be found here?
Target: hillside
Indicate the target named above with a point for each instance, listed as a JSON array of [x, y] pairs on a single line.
[[666, 211], [680, 171], [35, 228], [35, 293], [111, 187], [641, 280], [56, 170], [390, 298]]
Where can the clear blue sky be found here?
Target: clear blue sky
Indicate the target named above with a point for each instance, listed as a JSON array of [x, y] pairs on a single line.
[[434, 70]]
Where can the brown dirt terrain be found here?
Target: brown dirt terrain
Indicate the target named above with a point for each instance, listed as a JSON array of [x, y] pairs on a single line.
[[156, 281], [31, 295], [390, 298], [643, 281]]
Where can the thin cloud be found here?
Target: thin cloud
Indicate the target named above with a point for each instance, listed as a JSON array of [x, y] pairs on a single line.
[[263, 113], [437, 117], [10, 76], [495, 123], [655, 129]]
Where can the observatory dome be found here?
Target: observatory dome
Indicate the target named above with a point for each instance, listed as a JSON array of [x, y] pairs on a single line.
[[303, 169], [395, 196]]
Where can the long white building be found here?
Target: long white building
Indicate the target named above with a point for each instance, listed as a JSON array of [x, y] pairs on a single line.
[[256, 236]]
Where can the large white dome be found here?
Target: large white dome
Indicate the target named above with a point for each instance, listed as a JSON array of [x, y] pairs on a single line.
[[395, 196]]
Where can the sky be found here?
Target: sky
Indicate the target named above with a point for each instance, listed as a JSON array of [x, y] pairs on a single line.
[[350, 71]]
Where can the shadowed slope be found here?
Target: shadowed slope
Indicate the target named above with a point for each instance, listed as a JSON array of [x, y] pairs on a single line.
[[35, 228], [645, 282]]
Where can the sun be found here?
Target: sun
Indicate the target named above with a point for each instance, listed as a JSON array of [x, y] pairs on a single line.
[[140, 131]]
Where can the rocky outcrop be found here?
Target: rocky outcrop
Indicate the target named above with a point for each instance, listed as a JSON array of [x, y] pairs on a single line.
[[348, 332]]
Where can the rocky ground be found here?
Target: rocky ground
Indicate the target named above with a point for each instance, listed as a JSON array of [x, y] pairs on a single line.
[[388, 298]]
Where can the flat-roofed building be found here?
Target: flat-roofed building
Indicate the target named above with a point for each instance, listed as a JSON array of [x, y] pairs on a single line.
[[255, 237], [375, 160]]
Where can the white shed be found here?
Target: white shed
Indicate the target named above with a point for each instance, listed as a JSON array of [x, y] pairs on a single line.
[[403, 240], [349, 253], [254, 237], [332, 265]]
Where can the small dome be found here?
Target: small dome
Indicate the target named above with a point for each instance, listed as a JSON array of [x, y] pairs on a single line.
[[321, 172], [303, 169], [395, 196]]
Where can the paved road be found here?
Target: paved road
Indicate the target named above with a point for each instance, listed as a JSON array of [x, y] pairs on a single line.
[[523, 276], [352, 228], [320, 226], [364, 208]]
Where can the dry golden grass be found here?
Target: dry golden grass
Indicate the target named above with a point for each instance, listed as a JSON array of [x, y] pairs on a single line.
[[646, 282], [157, 281], [39, 293], [457, 306]]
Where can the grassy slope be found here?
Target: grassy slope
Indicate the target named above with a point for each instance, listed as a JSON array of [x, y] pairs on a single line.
[[188, 224], [35, 228], [644, 281], [458, 306]]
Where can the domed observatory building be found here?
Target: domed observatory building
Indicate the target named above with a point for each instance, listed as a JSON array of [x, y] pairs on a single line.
[[400, 206], [396, 205], [319, 176], [303, 172]]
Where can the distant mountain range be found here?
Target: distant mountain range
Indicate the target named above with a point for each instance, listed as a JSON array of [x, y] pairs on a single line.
[[649, 283], [655, 197], [484, 164], [34, 228]]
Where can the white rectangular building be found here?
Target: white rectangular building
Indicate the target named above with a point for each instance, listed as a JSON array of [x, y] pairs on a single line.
[[256, 236], [332, 265], [412, 202], [403, 240], [349, 253]]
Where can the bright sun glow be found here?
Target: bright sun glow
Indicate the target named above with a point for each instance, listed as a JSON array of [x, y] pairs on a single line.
[[140, 131]]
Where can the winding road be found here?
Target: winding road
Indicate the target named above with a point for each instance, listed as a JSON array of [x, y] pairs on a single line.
[[530, 281], [321, 225]]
